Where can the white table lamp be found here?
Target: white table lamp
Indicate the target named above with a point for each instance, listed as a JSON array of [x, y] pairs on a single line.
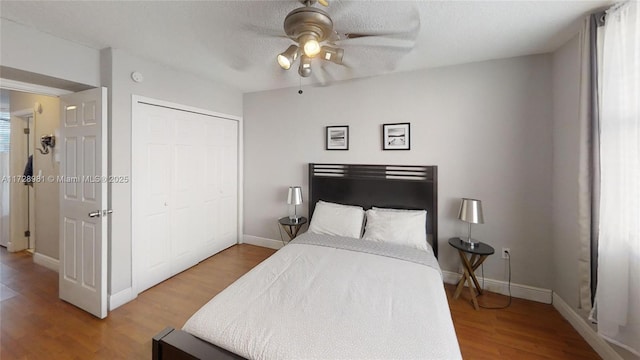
[[294, 198], [471, 212]]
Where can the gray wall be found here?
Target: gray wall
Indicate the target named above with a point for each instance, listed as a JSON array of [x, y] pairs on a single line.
[[486, 125], [161, 83], [565, 70], [47, 201], [30, 50]]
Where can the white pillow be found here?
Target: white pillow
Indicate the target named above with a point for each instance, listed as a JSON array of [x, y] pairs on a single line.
[[336, 219], [398, 210], [397, 226]]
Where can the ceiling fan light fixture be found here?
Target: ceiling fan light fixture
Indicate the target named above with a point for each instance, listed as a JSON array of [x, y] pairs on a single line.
[[332, 54], [310, 45], [305, 66], [288, 57]]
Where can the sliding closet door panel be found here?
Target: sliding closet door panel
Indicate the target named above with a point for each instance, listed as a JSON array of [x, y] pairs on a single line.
[[212, 221], [152, 180], [229, 217], [213, 130], [187, 226], [222, 177], [229, 152], [156, 213]]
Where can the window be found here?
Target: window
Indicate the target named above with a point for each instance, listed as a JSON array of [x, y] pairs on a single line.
[[5, 132]]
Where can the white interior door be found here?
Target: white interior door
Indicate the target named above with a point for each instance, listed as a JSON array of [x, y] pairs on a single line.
[[83, 200], [19, 202]]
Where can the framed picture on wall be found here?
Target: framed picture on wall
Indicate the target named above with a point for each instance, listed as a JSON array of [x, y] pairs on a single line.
[[337, 137], [396, 136]]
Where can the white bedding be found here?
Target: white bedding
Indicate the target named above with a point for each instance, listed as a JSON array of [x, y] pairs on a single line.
[[318, 302]]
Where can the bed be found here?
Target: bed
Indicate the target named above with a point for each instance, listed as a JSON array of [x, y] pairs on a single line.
[[329, 296]]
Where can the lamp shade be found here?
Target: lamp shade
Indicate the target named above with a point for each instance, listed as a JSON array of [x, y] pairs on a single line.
[[310, 45], [471, 211], [295, 195], [332, 54], [304, 69], [288, 57]]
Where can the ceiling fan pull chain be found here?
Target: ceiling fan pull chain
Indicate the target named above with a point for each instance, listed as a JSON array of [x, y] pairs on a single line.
[[300, 91]]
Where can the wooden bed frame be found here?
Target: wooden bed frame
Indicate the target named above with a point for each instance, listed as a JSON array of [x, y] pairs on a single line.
[[385, 186], [390, 186]]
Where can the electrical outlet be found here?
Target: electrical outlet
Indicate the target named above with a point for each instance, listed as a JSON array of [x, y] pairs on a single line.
[[506, 252]]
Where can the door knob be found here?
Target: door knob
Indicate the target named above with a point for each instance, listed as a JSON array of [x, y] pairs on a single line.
[[106, 212], [94, 214]]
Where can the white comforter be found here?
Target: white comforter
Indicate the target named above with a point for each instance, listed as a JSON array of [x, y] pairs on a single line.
[[318, 302]]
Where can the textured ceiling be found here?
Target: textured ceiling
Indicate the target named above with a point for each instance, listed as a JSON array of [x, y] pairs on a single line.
[[236, 42]]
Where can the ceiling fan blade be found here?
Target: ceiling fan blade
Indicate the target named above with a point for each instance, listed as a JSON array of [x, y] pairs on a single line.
[[322, 73], [327, 73], [319, 77], [264, 32], [355, 36], [409, 33], [367, 59], [376, 41], [333, 37], [356, 19]]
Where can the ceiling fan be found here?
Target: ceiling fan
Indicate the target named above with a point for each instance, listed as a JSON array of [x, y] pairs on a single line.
[[308, 27], [313, 33]]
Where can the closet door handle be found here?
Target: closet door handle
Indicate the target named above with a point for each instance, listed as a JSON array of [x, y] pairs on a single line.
[[94, 214]]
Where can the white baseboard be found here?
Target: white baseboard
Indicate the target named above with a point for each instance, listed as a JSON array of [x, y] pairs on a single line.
[[600, 345], [502, 287], [120, 298], [115, 300], [46, 261], [260, 241]]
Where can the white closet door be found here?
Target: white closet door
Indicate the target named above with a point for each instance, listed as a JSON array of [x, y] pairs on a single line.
[[221, 186], [229, 186], [211, 190], [186, 188], [151, 176], [190, 213]]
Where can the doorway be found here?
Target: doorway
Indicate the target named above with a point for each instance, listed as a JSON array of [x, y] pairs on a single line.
[[70, 183], [28, 203], [5, 133]]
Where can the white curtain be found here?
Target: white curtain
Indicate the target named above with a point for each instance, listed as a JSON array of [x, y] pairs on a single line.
[[618, 293]]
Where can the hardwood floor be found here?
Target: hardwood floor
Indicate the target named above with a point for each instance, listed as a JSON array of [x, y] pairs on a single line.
[[35, 324], [525, 330]]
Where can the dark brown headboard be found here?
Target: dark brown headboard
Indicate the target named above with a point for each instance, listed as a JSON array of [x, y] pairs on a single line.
[[390, 186]]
